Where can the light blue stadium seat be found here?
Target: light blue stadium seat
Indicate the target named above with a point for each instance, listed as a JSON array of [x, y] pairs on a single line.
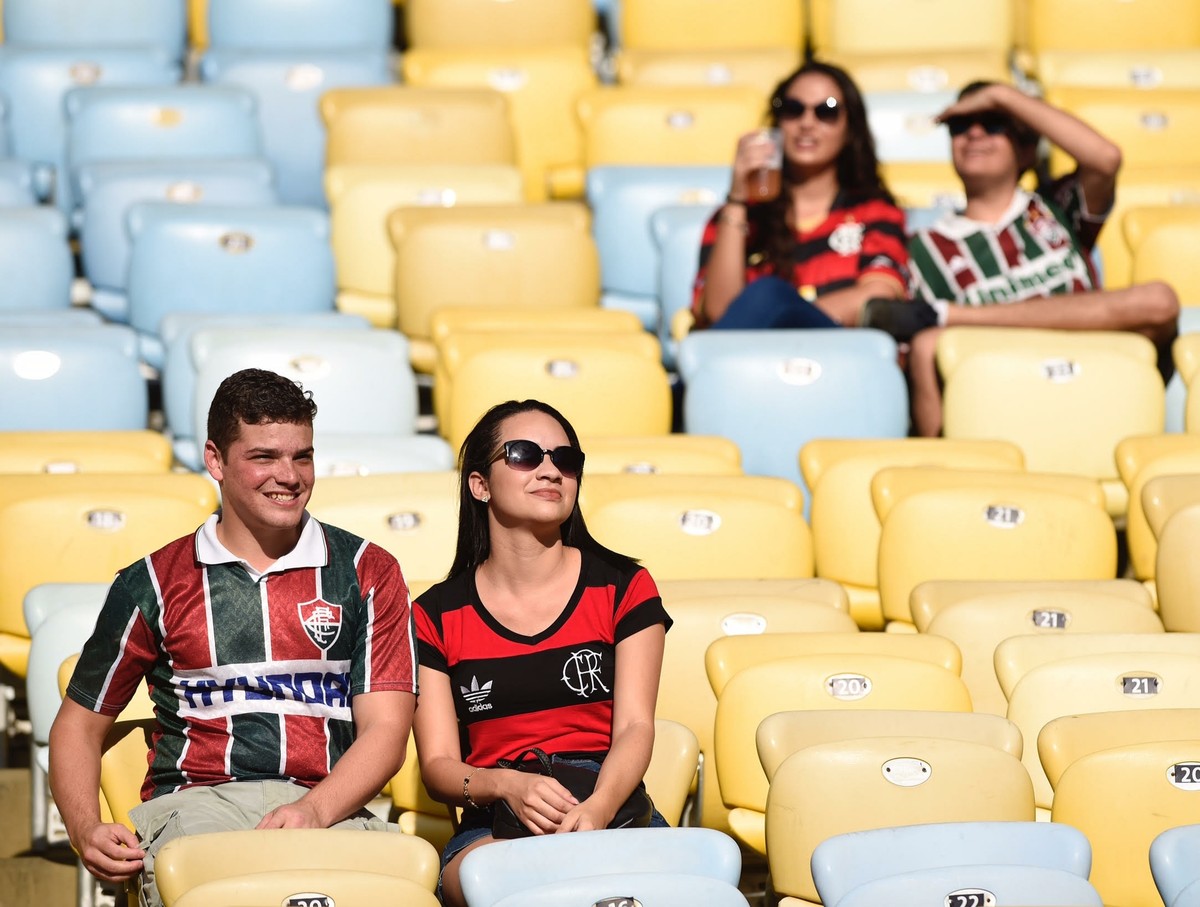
[[660, 889], [903, 126], [981, 884], [16, 183], [677, 231], [37, 78], [623, 198], [36, 266], [106, 23], [178, 373], [846, 862], [505, 869], [15, 319], [308, 25], [222, 258], [84, 378], [60, 618], [110, 188], [5, 141], [1174, 866], [362, 380], [287, 85], [773, 391], [110, 123]]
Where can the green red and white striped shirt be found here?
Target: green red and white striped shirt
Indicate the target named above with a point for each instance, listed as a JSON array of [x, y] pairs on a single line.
[[1041, 247], [252, 675]]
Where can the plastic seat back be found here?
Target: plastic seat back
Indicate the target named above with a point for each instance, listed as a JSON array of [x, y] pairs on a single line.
[[904, 127], [16, 183], [676, 454], [483, 25], [760, 69], [134, 451], [1119, 68], [678, 231], [1172, 863], [36, 265], [910, 26], [654, 25], [1140, 460], [275, 25], [1176, 570], [1158, 240], [106, 23], [1111, 24]]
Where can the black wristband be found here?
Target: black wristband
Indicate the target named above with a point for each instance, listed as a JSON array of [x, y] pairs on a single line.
[[730, 200]]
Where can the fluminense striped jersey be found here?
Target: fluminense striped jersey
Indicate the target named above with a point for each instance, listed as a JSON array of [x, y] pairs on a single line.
[[1041, 247], [552, 690], [252, 676]]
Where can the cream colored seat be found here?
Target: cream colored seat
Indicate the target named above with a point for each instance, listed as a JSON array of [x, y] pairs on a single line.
[[1176, 564], [1161, 240], [484, 25], [673, 454], [79, 451], [1186, 352], [1140, 459]]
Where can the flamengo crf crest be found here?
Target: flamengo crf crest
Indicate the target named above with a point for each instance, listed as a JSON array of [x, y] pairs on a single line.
[[321, 621]]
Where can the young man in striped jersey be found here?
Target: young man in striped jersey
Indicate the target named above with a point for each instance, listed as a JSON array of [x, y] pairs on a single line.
[[1013, 258], [278, 651]]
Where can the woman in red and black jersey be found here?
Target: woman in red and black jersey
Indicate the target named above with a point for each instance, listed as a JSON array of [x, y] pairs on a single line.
[[539, 637], [827, 240]]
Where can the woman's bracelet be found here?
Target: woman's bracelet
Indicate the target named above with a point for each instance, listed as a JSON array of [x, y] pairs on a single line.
[[730, 200], [467, 789], [739, 224]]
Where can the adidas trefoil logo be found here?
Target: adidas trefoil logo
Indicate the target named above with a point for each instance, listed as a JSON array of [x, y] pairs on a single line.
[[476, 695]]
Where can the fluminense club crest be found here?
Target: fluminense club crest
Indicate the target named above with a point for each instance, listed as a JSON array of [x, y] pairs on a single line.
[[322, 622]]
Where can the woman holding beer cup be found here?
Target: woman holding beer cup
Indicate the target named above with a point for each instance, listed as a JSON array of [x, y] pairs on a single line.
[[809, 232]]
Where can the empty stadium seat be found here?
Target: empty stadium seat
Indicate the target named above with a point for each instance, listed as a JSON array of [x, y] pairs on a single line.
[[36, 265], [1111, 25], [1174, 567], [678, 231], [105, 23], [1160, 239], [759, 69], [1141, 458], [1172, 866], [904, 125], [910, 26], [16, 183], [675, 454], [485, 25], [1119, 68], [60, 452], [310, 25]]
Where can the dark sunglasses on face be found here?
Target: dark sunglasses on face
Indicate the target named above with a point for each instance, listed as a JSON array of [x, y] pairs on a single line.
[[526, 456], [827, 111], [991, 123]]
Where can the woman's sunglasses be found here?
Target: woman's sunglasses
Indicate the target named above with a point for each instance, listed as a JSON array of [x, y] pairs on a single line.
[[827, 111], [525, 456], [991, 123]]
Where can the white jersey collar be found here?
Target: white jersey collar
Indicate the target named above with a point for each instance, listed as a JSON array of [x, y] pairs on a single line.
[[958, 226], [310, 550]]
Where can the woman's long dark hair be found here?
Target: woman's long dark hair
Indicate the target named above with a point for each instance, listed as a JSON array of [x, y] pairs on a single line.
[[474, 542], [857, 166]]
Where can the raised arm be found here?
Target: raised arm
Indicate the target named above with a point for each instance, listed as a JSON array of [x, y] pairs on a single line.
[[109, 850]]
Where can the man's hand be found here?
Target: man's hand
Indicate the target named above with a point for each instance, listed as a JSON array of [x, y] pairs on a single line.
[[110, 851], [292, 815]]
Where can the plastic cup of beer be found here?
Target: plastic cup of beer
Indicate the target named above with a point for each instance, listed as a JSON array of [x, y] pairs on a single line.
[[764, 183]]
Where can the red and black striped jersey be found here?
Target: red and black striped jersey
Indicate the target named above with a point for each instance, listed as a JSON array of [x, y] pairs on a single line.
[[553, 690], [252, 675]]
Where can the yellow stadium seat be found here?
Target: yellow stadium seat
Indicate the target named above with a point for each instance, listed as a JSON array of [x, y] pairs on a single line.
[[362, 196], [976, 525], [1140, 459], [487, 25], [1176, 564], [1147, 788], [926, 71], [84, 451], [1161, 240], [910, 26], [541, 86], [845, 527], [923, 184], [1119, 68], [977, 616], [1164, 496], [673, 454], [541, 256], [1064, 397], [672, 769], [717, 24], [702, 527], [831, 680], [416, 812], [879, 782], [1186, 353], [413, 515], [707, 610], [760, 69], [606, 384], [1092, 25], [659, 125], [197, 25]]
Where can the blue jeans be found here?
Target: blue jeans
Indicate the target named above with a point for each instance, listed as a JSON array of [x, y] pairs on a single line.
[[771, 302]]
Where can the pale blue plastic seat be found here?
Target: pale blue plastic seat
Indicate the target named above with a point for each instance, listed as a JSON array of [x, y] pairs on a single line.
[[308, 25], [506, 869], [63, 378], [772, 391], [16, 319], [36, 79], [111, 123], [288, 85], [16, 183], [1174, 865], [178, 373], [653, 889], [623, 198], [847, 862], [222, 258], [677, 231], [60, 618], [981, 884], [106, 23], [36, 265], [903, 127], [5, 141], [110, 188], [362, 380]]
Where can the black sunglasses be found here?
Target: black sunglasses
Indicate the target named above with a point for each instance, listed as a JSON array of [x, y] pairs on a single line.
[[827, 111], [525, 456], [991, 123]]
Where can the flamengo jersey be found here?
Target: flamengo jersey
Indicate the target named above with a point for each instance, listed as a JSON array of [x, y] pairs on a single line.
[[1039, 248], [251, 679], [857, 238], [552, 690]]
